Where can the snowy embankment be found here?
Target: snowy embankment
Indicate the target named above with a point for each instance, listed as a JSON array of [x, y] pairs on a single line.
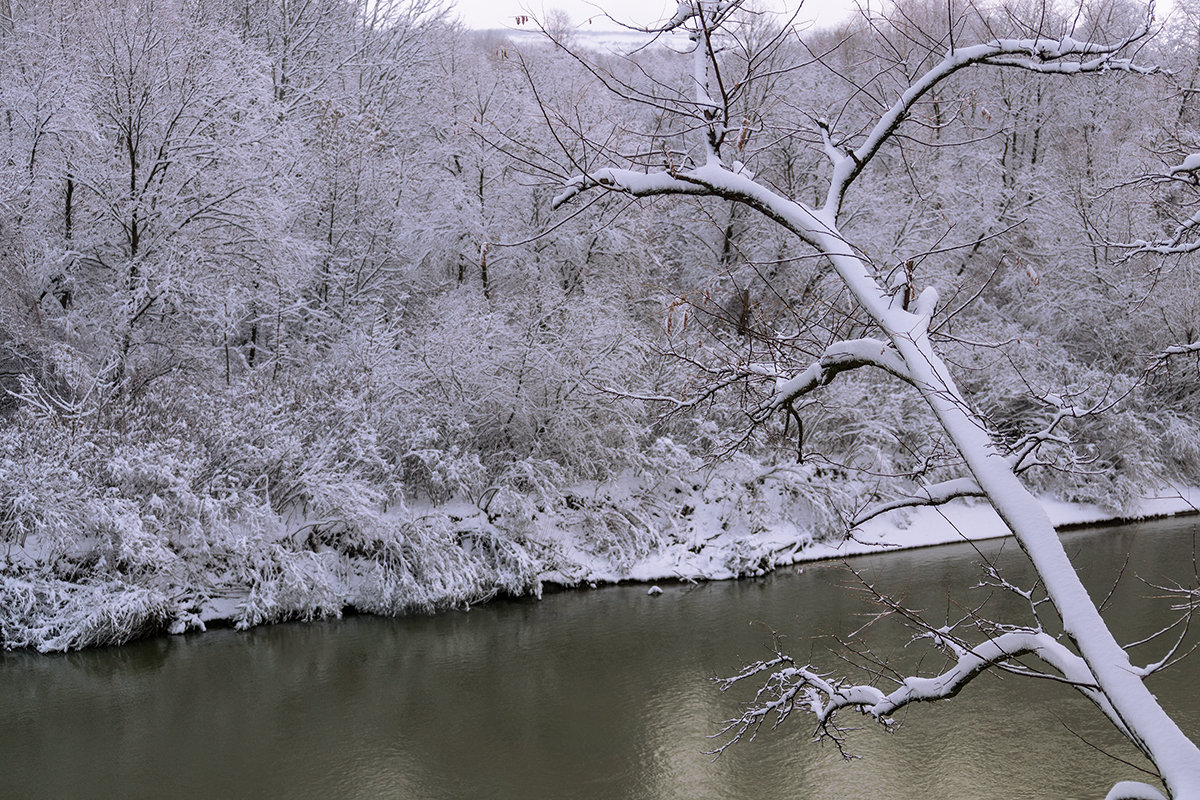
[[125, 582], [736, 554]]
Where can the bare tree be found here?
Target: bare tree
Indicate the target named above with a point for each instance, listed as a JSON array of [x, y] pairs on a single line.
[[699, 150]]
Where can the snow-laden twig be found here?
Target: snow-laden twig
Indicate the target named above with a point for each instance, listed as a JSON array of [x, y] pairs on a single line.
[[1134, 790], [837, 358], [1187, 166], [934, 494], [788, 687], [1021, 458], [1063, 56], [712, 12], [1166, 354], [1027, 446], [1177, 243]]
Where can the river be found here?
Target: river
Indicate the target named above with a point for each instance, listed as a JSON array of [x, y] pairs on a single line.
[[594, 694]]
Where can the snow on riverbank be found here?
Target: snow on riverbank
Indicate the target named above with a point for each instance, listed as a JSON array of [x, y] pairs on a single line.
[[680, 530], [724, 523], [958, 521], [922, 527]]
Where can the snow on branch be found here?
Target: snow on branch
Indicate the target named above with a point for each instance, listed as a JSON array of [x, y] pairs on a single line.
[[1065, 56], [635, 184], [708, 12], [1020, 459], [723, 379], [1165, 355], [713, 177], [1180, 350], [1177, 243], [837, 358], [1190, 164], [935, 494], [789, 687], [1134, 790]]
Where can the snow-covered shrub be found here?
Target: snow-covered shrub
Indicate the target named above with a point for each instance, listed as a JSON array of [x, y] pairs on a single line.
[[498, 388], [285, 582], [440, 470], [50, 614], [47, 484], [1179, 440], [131, 547], [430, 562], [619, 528]]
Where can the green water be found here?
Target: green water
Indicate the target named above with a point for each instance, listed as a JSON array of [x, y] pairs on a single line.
[[596, 694]]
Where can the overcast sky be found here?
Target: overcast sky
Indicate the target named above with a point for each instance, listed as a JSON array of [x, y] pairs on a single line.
[[503, 13]]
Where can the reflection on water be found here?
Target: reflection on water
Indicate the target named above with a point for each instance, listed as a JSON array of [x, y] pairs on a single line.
[[599, 694]]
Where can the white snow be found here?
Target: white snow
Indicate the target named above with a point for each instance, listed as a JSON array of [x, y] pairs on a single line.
[[1190, 164], [787, 543], [1134, 790]]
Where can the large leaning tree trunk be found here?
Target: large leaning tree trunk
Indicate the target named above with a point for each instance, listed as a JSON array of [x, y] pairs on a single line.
[[1084, 653]]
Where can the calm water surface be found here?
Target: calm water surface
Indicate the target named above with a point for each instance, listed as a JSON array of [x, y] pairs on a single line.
[[598, 694]]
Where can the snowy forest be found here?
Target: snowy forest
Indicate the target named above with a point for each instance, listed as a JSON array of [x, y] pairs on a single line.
[[297, 320]]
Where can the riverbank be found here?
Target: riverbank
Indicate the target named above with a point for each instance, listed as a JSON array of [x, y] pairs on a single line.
[[956, 521], [127, 583]]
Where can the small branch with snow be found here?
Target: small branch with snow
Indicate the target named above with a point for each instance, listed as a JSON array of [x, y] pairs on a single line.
[[1065, 56], [1021, 459], [709, 12], [788, 686], [1023, 451], [1188, 166], [935, 494], [837, 358], [1177, 243], [635, 184], [729, 378], [1175, 350]]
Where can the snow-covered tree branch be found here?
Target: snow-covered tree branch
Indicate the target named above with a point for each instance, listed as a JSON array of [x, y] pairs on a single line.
[[838, 357], [789, 687]]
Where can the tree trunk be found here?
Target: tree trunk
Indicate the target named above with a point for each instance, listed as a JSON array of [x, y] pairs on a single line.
[[1144, 721]]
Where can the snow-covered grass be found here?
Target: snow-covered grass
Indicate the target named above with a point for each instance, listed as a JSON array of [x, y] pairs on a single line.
[[130, 576]]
